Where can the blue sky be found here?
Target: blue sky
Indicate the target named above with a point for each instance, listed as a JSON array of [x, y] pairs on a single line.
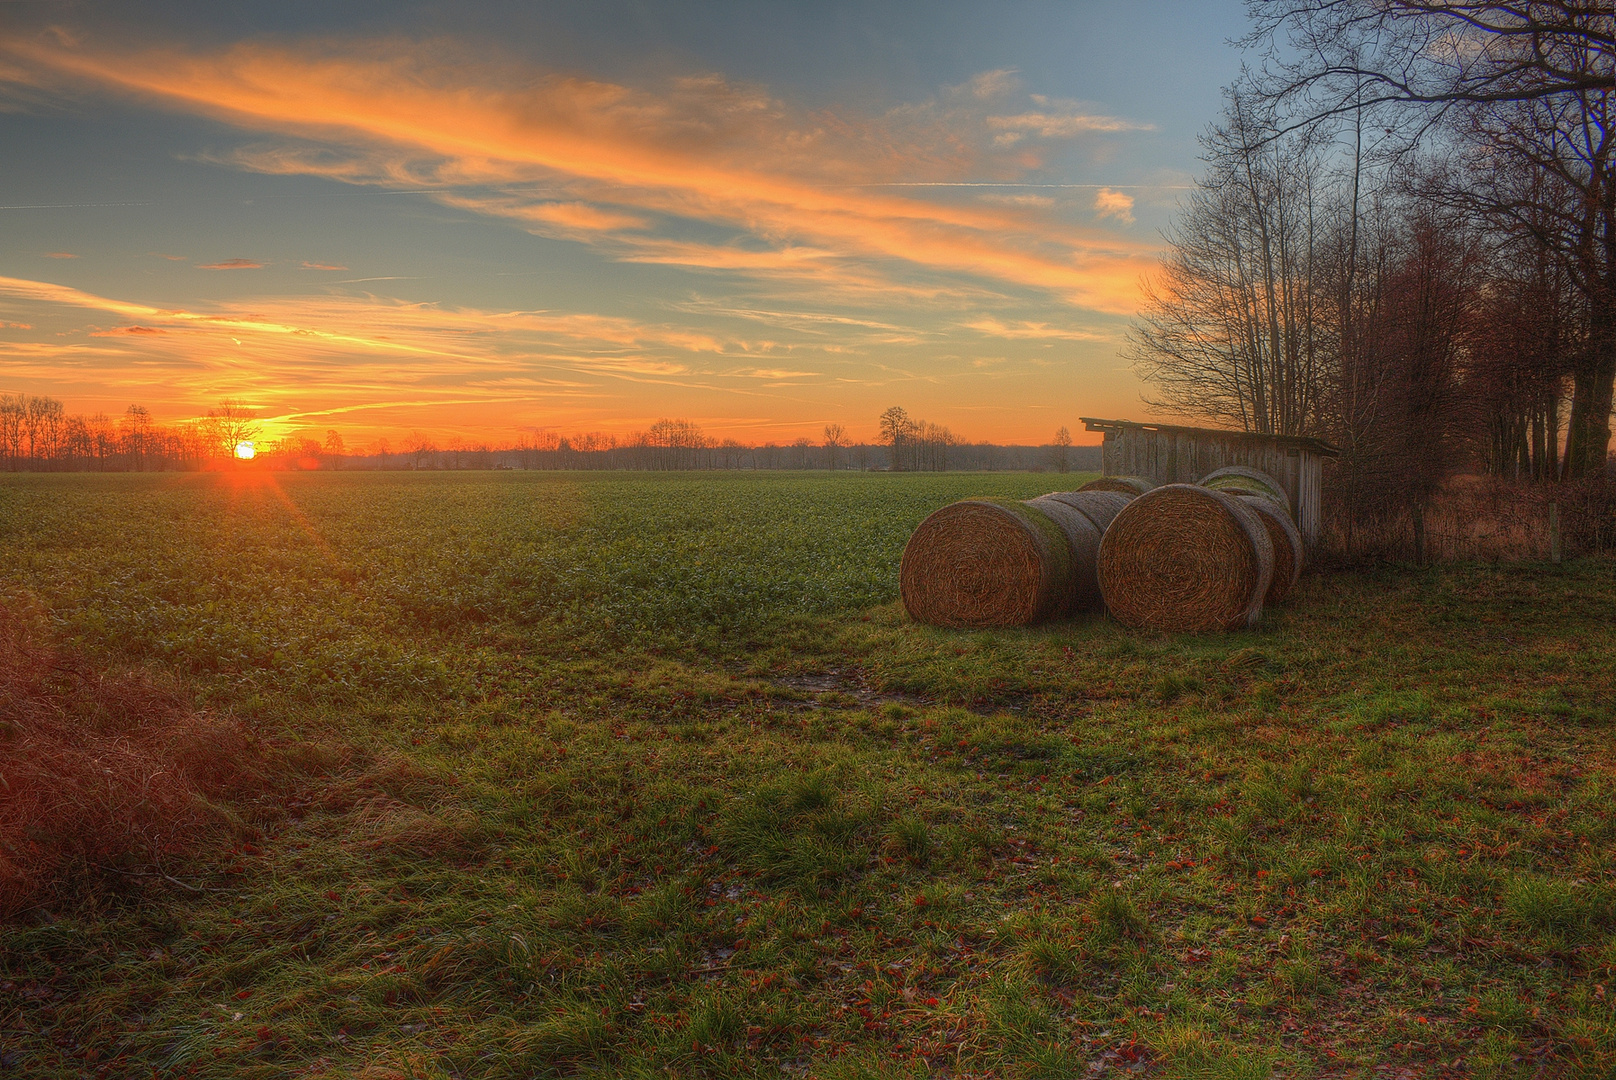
[[485, 220]]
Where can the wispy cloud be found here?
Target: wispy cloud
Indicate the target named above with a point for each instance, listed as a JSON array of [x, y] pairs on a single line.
[[60, 255], [1114, 204], [774, 373], [622, 167], [823, 254], [340, 345], [1024, 330], [125, 331]]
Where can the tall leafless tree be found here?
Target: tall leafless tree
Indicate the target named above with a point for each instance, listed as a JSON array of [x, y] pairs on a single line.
[[1519, 90], [1233, 328]]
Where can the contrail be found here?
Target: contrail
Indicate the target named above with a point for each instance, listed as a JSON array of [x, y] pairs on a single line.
[[71, 205], [255, 198], [968, 183]]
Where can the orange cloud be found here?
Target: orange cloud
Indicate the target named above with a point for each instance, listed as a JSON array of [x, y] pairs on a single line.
[[774, 373], [322, 266], [1036, 331], [1115, 204], [232, 264], [578, 215], [1055, 119], [391, 365], [702, 149], [60, 255]]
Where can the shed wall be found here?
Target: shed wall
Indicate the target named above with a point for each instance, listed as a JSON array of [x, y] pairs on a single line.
[[1174, 457]]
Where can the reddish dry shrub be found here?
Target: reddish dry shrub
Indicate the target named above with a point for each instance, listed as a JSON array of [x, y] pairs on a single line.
[[103, 769], [1475, 518], [1588, 514]]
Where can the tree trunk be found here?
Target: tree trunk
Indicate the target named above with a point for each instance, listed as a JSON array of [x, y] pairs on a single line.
[[1588, 431], [1419, 533], [1552, 473], [1539, 445]]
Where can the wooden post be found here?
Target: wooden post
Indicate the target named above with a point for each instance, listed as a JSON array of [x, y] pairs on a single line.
[[1554, 531]]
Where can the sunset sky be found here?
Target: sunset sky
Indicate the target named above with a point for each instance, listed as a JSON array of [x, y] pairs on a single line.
[[487, 220]]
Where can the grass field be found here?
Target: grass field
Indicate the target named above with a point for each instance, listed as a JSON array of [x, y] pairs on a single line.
[[634, 775]]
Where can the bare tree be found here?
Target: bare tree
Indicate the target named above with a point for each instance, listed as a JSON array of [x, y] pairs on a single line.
[[1530, 327], [335, 449], [1335, 57], [835, 439], [1232, 328], [230, 425], [13, 407], [801, 448], [42, 426], [418, 445], [137, 428], [1520, 90], [896, 431], [1431, 298], [676, 444], [1061, 450]]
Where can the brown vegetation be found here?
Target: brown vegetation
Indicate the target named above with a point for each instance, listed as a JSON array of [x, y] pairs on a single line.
[[1403, 245], [106, 772], [1479, 518]]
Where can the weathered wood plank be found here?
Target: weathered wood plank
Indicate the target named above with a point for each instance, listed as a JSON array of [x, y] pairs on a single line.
[[1179, 455]]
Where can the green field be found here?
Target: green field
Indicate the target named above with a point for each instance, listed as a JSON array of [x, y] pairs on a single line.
[[630, 775]]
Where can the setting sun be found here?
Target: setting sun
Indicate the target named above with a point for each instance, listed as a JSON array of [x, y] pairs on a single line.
[[244, 451]]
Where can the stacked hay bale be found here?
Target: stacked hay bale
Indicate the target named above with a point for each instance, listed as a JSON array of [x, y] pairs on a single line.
[[1127, 485], [1187, 559], [1083, 517], [1184, 558], [1264, 495], [997, 562], [985, 562]]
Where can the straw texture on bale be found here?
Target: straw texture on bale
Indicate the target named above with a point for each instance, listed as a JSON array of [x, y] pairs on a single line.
[[1186, 559], [986, 562], [1083, 541], [1287, 541], [1242, 480], [1098, 506], [1128, 485]]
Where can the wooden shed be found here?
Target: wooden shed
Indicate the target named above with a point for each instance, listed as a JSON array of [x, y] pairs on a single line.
[[1182, 455]]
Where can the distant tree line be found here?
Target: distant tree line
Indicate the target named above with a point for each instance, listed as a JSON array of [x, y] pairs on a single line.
[[1404, 242], [38, 435]]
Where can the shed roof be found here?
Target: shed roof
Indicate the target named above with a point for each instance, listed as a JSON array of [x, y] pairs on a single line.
[[1288, 442]]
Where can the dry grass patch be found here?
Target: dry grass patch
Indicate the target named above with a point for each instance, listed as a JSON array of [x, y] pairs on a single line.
[[106, 771]]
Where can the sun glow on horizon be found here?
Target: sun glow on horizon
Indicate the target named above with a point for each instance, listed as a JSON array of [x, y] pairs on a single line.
[[756, 262], [245, 451]]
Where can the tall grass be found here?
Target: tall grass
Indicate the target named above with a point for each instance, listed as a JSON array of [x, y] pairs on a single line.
[[105, 772]]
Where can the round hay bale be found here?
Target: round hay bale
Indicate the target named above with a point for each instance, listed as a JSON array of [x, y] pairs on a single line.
[[1287, 541], [986, 562], [1241, 480], [1128, 485], [1186, 559], [1083, 540], [1098, 506]]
